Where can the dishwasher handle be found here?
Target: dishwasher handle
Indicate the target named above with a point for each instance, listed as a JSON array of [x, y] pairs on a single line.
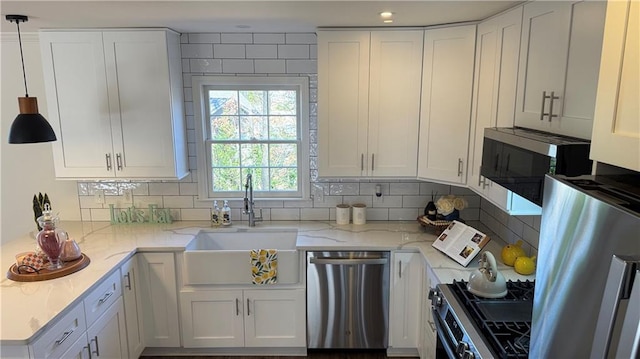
[[357, 261]]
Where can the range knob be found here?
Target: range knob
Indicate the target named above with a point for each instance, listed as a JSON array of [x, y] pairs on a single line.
[[468, 354], [462, 348], [434, 295]]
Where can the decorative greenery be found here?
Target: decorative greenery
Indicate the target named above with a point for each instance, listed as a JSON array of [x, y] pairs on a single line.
[[38, 206]]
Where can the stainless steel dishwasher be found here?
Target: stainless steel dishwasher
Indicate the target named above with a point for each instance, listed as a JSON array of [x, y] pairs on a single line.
[[347, 300]]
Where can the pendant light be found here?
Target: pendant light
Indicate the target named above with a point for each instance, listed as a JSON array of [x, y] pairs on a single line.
[[29, 126]]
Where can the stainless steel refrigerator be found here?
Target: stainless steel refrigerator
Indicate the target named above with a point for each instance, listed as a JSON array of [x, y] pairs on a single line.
[[587, 292]]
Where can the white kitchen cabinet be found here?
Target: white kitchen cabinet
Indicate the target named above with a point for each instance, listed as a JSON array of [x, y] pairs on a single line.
[[158, 286], [368, 102], [494, 97], [428, 326], [108, 335], [446, 103], [130, 279], [78, 350], [616, 129], [405, 302], [115, 101], [61, 336], [559, 61], [244, 318]]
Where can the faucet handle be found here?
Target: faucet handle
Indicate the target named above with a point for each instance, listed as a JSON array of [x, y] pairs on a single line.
[[246, 205]]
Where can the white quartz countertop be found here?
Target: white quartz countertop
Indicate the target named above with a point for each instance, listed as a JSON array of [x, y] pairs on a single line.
[[28, 308]]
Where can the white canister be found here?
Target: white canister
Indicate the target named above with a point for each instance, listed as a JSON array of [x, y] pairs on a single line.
[[359, 213], [342, 213]]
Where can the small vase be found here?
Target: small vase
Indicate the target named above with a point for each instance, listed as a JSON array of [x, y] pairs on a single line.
[[452, 216], [48, 239], [431, 211]]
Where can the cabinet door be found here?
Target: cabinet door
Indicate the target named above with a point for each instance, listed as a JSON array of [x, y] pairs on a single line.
[[343, 85], [78, 105], [78, 350], [275, 318], [160, 312], [394, 103], [446, 103], [212, 318], [560, 53], [429, 334], [405, 306], [616, 130], [59, 337], [108, 335], [132, 307], [141, 102]]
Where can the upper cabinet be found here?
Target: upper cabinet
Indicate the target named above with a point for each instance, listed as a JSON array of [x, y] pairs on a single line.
[[115, 102], [368, 102], [616, 128], [446, 103], [559, 62]]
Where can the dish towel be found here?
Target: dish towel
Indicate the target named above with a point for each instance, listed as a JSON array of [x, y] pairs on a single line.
[[264, 266]]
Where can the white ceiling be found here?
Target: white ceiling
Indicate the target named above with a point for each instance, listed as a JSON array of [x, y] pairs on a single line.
[[235, 16]]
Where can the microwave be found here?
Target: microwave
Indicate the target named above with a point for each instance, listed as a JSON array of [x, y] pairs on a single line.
[[518, 159]]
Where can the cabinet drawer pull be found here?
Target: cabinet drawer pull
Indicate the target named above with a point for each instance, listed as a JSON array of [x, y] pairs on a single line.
[[248, 310], [88, 347], [107, 157], [119, 161], [97, 351], [105, 298], [544, 99], [237, 307], [552, 97], [399, 269], [128, 285], [459, 167], [362, 162], [65, 335], [373, 156]]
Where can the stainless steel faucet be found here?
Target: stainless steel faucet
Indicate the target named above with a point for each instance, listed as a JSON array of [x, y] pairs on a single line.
[[248, 202]]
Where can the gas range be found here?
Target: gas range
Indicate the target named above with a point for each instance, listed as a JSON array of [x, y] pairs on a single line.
[[472, 327]]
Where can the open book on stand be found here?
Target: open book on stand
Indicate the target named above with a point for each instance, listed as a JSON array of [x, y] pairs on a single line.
[[461, 242]]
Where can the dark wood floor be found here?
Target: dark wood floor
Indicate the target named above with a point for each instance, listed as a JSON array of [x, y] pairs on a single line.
[[311, 354]]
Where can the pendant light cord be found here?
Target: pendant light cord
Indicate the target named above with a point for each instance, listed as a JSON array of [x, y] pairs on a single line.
[[24, 73]]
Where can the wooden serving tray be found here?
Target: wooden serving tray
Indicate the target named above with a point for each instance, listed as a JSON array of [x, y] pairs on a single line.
[[46, 274]]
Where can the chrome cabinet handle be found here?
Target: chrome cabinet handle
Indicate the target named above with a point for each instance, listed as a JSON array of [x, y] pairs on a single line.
[[65, 335], [544, 99], [459, 167], [552, 97], [128, 285], [107, 157], [362, 162], [237, 307], [399, 269], [248, 310], [95, 339], [88, 347], [338, 261], [373, 156], [119, 161], [105, 298]]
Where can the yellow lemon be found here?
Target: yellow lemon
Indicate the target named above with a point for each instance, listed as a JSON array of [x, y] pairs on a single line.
[[511, 252], [525, 265]]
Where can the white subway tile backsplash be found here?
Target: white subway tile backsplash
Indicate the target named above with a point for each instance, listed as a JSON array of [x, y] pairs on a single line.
[[85, 215], [206, 65], [204, 38], [337, 189], [285, 214], [328, 202], [185, 65], [437, 189], [236, 38], [378, 214], [403, 214], [387, 201], [224, 51], [402, 188], [184, 38], [262, 51], [415, 201], [195, 214], [314, 214], [462, 191], [468, 214], [298, 204], [83, 189], [293, 51], [301, 38], [197, 51], [191, 122], [178, 201], [190, 189], [164, 189], [515, 225], [270, 66], [98, 214], [313, 51], [88, 202], [301, 66], [230, 66], [267, 38], [191, 136], [145, 201], [351, 200]]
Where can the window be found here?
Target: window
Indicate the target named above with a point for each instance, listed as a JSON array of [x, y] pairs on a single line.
[[256, 125]]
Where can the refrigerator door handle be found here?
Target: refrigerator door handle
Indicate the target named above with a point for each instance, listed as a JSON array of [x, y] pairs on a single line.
[[618, 327]]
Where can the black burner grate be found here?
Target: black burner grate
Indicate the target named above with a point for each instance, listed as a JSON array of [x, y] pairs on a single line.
[[504, 322]]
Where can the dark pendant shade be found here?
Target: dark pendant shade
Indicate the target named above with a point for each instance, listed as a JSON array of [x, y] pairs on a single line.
[[30, 126]]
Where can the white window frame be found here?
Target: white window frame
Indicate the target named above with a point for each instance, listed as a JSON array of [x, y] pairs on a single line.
[[200, 86]]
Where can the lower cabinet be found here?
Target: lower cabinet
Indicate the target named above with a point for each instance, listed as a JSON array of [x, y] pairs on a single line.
[[107, 337], [244, 318], [428, 335], [132, 299], [158, 286], [405, 302]]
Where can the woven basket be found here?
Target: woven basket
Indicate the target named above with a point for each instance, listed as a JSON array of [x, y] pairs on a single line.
[[436, 226]]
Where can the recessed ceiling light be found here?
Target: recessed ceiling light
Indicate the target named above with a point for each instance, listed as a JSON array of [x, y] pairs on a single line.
[[388, 21], [386, 14]]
